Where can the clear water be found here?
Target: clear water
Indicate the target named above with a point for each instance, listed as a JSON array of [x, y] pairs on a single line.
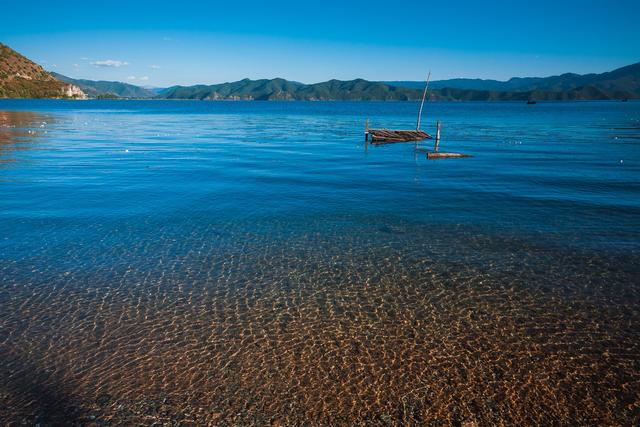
[[251, 263]]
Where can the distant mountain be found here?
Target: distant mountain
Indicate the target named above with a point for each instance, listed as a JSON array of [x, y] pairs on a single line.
[[106, 89], [261, 90], [468, 84], [22, 78], [280, 89], [359, 89], [362, 90], [620, 83], [579, 94]]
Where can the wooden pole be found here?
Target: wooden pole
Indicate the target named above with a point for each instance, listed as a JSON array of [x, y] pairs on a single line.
[[366, 130], [424, 95], [437, 134]]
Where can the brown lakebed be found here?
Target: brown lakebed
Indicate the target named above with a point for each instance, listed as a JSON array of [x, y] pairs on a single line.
[[297, 336]]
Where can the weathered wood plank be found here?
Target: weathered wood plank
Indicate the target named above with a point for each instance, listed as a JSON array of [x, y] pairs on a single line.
[[402, 135]]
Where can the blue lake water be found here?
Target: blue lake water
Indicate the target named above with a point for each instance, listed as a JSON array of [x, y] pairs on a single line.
[[255, 263]]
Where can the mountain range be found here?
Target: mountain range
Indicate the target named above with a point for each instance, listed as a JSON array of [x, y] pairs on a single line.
[[21, 78], [623, 83], [280, 89]]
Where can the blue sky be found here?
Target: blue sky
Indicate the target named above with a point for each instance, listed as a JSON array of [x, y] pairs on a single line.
[[189, 42]]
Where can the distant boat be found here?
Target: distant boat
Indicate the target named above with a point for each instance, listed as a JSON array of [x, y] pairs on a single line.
[[531, 102], [625, 100]]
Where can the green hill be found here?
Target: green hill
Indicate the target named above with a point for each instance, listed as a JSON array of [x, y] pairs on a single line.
[[22, 78], [280, 89], [358, 90], [262, 90]]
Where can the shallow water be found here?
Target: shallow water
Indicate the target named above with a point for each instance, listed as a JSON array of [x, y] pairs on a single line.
[[256, 263]]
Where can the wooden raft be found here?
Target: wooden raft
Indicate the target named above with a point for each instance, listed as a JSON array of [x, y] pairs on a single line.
[[382, 136]]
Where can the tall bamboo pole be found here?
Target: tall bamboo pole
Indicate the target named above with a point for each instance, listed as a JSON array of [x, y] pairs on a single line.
[[424, 95]]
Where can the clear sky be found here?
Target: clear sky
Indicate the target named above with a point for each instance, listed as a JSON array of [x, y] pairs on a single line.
[[189, 42]]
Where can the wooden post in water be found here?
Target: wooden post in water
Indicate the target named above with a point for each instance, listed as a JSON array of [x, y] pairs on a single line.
[[366, 130], [437, 134], [424, 95]]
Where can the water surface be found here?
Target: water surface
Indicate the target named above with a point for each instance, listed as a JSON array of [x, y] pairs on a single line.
[[252, 263]]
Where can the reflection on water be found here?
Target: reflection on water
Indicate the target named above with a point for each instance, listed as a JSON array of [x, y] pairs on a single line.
[[18, 130], [187, 281]]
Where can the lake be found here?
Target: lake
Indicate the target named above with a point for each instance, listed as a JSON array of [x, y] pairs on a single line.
[[256, 263]]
